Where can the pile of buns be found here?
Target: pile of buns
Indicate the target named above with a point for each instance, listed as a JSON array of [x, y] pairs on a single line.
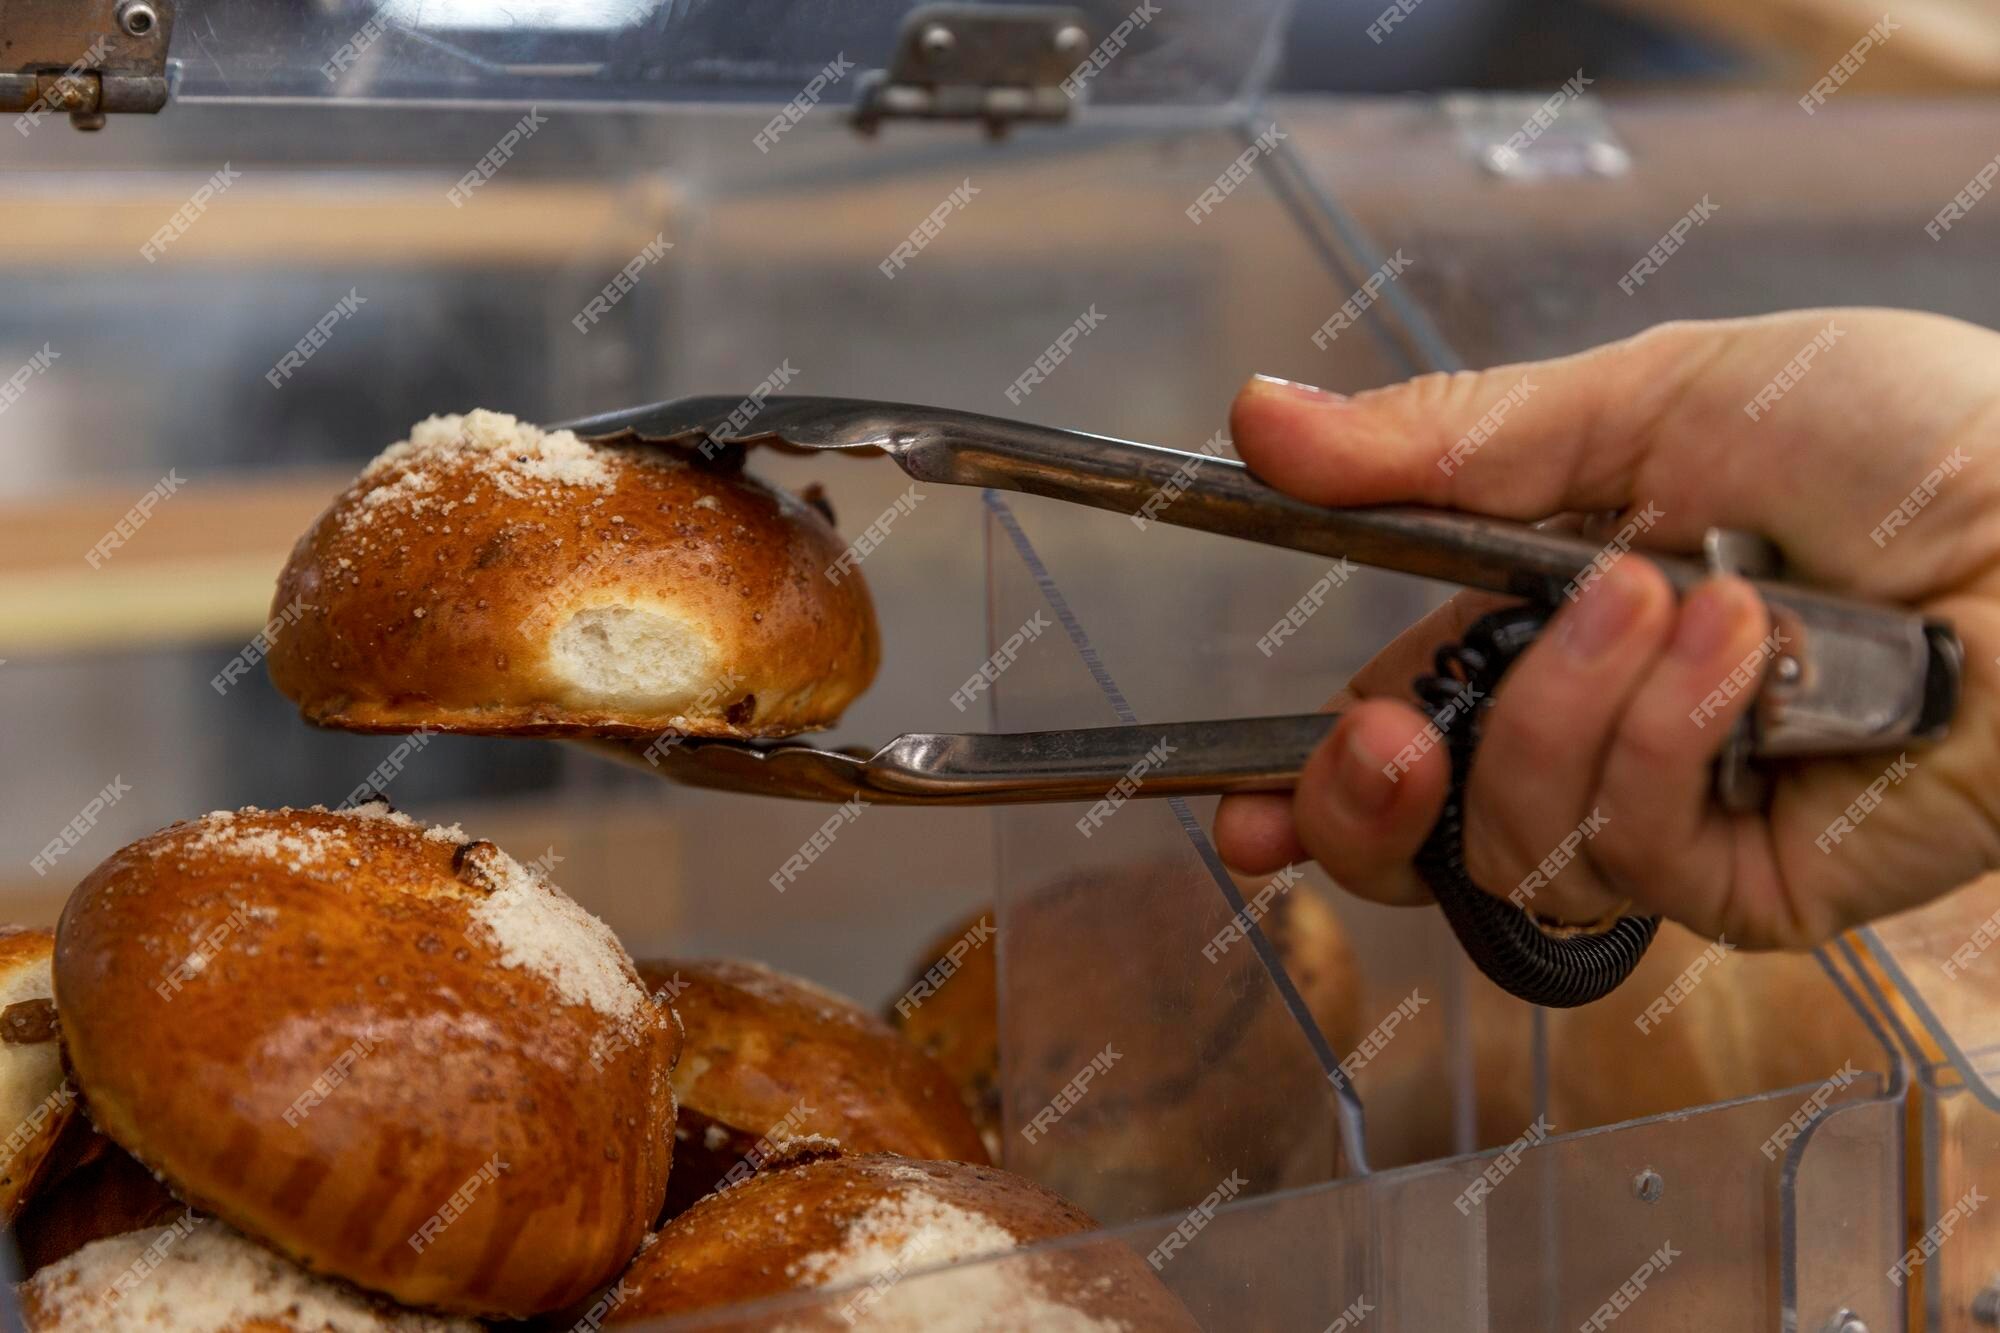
[[317, 1069]]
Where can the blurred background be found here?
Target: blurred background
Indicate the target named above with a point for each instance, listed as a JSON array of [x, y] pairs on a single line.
[[414, 201]]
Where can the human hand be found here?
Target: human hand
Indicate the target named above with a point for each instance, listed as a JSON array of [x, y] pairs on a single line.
[[1896, 409]]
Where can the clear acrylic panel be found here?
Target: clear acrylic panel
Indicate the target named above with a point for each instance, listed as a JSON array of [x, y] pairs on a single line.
[[1518, 269], [775, 263], [1196, 1066], [1754, 1198], [1959, 1284], [658, 51], [1559, 1236], [1946, 985]]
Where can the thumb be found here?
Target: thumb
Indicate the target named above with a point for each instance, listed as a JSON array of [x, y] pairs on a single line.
[[1518, 441]]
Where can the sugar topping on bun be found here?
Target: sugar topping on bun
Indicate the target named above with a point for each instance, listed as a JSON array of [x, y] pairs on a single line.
[[195, 1275], [872, 1226]]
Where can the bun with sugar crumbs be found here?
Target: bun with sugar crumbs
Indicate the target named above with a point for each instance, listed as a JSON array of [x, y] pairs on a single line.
[[389, 1052], [37, 1103], [865, 1229], [769, 1059], [486, 576], [197, 1276]]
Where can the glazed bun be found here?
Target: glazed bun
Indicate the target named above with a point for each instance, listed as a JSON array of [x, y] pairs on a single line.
[[838, 1221], [36, 1102], [198, 1276], [768, 1059], [484, 576], [390, 1052]]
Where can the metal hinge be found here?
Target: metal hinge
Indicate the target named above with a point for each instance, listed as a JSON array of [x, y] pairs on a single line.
[[84, 57], [978, 62]]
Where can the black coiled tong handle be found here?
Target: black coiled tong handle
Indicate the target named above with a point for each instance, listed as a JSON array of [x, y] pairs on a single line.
[[1503, 941]]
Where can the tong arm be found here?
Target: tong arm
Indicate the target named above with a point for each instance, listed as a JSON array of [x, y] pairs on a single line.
[[943, 768], [1844, 676]]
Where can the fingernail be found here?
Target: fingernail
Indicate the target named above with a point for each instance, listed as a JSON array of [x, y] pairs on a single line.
[[1367, 788], [1601, 616], [1311, 393], [1708, 617]]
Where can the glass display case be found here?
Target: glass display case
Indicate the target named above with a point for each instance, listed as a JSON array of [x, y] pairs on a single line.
[[1476, 1170]]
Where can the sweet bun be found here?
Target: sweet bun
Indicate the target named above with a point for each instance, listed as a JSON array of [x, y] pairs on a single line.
[[1721, 1042], [1152, 1142], [198, 1276], [1321, 963], [390, 1052], [768, 1059], [36, 1102], [843, 1220], [951, 1012], [484, 576]]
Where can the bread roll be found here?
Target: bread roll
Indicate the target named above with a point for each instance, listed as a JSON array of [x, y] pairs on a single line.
[[951, 1011], [198, 1276], [36, 1101], [833, 1222], [1155, 1143], [1751, 1023], [768, 1059], [483, 576], [390, 1052]]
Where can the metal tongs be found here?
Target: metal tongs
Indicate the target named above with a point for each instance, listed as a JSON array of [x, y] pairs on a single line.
[[1850, 676]]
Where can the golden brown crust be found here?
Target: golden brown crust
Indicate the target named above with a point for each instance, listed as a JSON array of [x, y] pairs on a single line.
[[392, 1054], [836, 1221], [769, 1058], [24, 944], [444, 588], [952, 1013], [37, 1103], [1320, 961]]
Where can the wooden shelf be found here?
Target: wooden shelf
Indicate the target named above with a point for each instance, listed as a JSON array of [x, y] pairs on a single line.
[[201, 568]]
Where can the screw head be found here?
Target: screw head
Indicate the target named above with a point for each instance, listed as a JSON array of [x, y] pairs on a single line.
[[1070, 39], [137, 18], [936, 41], [1788, 670], [1648, 1186]]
